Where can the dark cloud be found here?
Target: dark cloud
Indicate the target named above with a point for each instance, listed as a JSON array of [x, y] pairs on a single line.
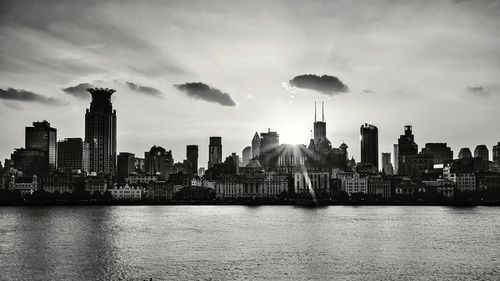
[[325, 84], [198, 90], [478, 90], [79, 91], [150, 91], [27, 96]]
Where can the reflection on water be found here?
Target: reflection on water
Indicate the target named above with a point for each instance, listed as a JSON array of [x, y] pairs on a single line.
[[238, 242]]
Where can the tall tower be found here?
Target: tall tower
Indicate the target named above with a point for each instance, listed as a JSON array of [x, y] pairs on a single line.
[[214, 151], [256, 145], [482, 152], [100, 131], [192, 158], [406, 147], [369, 145], [44, 138], [319, 126]]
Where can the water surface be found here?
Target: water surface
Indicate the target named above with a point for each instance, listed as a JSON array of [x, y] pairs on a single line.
[[252, 243]]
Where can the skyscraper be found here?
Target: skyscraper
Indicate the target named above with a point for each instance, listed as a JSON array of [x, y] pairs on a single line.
[[159, 161], [214, 151], [406, 147], [246, 154], [496, 153], [100, 131], [269, 143], [125, 165], [192, 159], [43, 137], [395, 159], [482, 152], [464, 153], [440, 152], [256, 145], [386, 164], [73, 154], [369, 145]]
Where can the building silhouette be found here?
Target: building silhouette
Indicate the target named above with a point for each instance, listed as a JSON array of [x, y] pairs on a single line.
[[269, 143], [395, 158], [496, 153], [158, 161], [440, 151], [214, 151], [369, 145], [482, 152], [43, 137], [386, 163], [73, 154], [30, 161], [246, 155], [192, 159], [256, 145], [100, 131], [464, 153], [125, 166], [406, 148]]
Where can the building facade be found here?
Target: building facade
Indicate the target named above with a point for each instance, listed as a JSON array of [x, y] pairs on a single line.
[[43, 137], [192, 159], [100, 132], [369, 145], [214, 151], [73, 155], [125, 165]]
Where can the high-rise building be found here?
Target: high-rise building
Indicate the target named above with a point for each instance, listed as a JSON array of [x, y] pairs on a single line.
[[369, 145], [464, 153], [43, 137], [319, 127], [440, 152], [214, 151], [192, 159], [386, 164], [73, 154], [268, 148], [395, 159], [482, 152], [256, 145], [406, 147], [125, 165], [100, 131], [30, 161], [496, 153], [159, 162], [246, 154]]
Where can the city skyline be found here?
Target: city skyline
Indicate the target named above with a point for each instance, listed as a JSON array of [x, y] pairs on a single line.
[[161, 67]]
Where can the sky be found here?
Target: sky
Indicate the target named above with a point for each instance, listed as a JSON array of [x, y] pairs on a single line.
[[186, 70]]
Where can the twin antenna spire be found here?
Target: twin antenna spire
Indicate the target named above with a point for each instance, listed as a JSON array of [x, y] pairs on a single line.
[[322, 111]]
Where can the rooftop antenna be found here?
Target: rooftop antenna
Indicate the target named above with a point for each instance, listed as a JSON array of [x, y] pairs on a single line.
[[314, 111], [323, 110]]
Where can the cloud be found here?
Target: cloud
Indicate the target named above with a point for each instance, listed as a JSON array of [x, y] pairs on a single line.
[[79, 91], [27, 96], [199, 90], [368, 91], [478, 91], [150, 91], [325, 84]]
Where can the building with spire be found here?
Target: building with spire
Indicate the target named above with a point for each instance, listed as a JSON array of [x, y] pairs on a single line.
[[100, 131], [256, 145]]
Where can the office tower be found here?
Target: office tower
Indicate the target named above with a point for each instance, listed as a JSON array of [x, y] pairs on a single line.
[[395, 159], [440, 152], [406, 147], [125, 165], [159, 161], [256, 145], [73, 154], [319, 127], [246, 154], [482, 152], [192, 159], [100, 131], [496, 153], [139, 164], [369, 145], [386, 164], [43, 137], [30, 161], [269, 148], [231, 164], [464, 153], [214, 151]]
